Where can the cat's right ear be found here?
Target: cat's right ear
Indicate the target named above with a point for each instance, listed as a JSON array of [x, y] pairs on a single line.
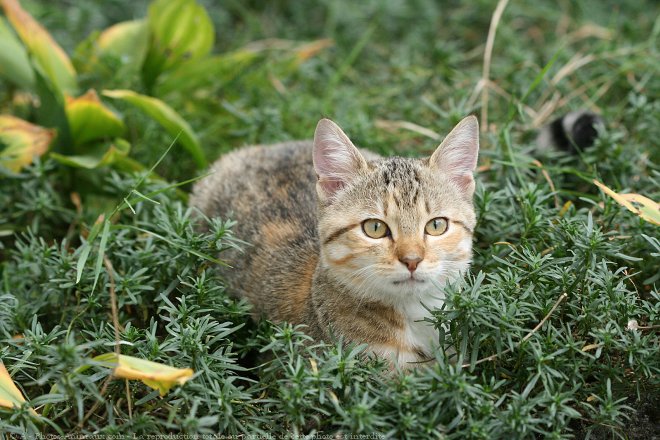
[[336, 160], [456, 157]]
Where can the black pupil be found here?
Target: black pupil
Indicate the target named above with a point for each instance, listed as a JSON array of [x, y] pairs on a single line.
[[376, 226]]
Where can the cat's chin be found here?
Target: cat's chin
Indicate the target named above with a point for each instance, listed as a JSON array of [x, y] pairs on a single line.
[[401, 291]]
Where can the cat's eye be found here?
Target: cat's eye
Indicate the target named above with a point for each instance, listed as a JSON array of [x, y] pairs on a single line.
[[437, 226], [375, 228]]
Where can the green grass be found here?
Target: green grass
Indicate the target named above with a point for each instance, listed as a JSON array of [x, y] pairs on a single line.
[[583, 372]]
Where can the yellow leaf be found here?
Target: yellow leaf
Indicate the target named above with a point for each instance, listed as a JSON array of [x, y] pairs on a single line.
[[157, 376], [22, 142], [333, 397], [49, 56], [89, 119], [564, 209], [647, 210], [10, 395], [591, 347]]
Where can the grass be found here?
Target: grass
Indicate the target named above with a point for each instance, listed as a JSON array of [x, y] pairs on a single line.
[[541, 324]]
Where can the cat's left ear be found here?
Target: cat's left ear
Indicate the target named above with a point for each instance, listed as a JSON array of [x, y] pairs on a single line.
[[456, 157], [336, 160]]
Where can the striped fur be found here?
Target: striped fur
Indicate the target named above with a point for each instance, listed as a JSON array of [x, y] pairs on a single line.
[[301, 205]]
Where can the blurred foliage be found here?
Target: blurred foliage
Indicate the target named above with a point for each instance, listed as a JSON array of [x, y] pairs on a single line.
[[544, 229], [165, 55], [88, 132]]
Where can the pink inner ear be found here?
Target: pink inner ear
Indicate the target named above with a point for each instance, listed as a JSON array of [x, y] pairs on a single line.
[[457, 154], [464, 181], [464, 158], [324, 163], [330, 187], [336, 160]]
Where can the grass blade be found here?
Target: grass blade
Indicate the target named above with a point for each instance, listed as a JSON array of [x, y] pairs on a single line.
[[87, 247], [99, 258]]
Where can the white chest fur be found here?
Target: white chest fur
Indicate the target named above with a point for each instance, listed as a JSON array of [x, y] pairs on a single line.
[[418, 333]]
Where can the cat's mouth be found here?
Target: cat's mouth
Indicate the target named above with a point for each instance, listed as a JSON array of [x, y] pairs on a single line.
[[410, 280]]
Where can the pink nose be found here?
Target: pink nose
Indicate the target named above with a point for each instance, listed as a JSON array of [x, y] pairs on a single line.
[[411, 261]]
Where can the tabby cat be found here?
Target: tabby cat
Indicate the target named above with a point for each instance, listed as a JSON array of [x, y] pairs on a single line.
[[347, 242]]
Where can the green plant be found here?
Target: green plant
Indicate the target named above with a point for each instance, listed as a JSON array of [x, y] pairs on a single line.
[[89, 133]]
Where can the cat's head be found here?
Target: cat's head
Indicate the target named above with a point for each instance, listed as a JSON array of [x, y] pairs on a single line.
[[395, 229]]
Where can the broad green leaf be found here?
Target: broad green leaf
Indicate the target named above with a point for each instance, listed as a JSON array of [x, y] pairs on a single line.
[[22, 142], [129, 165], [10, 395], [647, 209], [96, 156], [14, 62], [213, 70], [47, 54], [126, 41], [179, 30], [219, 69], [89, 119], [157, 376], [170, 120], [50, 113]]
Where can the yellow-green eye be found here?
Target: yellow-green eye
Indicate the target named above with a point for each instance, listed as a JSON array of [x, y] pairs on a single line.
[[437, 226], [375, 228]]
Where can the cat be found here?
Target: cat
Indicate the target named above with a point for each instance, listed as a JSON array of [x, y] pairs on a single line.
[[345, 241]]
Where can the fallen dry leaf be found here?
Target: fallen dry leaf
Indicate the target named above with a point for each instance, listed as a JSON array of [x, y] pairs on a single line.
[[10, 395], [157, 376], [23, 141], [647, 210]]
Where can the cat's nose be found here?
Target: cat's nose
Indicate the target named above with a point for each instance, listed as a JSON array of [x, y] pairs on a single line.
[[411, 261]]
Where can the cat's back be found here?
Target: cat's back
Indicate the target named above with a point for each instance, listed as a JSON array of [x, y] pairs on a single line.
[[270, 191], [266, 181]]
